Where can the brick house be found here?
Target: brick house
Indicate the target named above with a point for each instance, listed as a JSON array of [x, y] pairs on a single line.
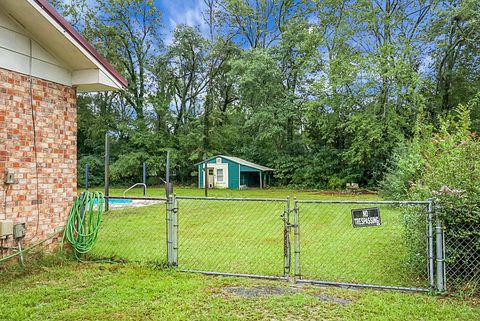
[[44, 63]]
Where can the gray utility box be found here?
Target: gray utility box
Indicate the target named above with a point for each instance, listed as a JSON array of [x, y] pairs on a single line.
[[9, 177], [6, 228], [19, 230]]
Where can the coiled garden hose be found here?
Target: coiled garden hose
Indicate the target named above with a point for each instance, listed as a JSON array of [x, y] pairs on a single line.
[[84, 221]]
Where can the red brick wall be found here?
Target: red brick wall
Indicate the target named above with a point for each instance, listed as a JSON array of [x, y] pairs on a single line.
[[44, 204]]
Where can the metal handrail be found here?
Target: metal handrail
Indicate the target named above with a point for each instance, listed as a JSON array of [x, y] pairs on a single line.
[[135, 185]]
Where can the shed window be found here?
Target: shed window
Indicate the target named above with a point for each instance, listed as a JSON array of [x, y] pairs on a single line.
[[220, 175]]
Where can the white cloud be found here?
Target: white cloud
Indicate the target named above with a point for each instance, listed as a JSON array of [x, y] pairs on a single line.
[[187, 12]]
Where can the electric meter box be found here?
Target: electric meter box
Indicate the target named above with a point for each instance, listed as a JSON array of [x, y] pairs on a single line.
[[6, 228]]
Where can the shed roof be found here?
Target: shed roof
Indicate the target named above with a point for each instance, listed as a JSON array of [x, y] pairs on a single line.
[[90, 70], [241, 162]]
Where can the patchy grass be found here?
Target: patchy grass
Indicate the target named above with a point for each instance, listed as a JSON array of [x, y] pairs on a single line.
[[125, 292]]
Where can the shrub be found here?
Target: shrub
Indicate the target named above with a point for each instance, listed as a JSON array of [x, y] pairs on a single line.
[[445, 165], [334, 182], [309, 172]]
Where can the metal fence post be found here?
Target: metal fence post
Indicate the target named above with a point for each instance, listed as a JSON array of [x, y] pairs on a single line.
[[169, 232], [86, 177], [107, 173], [167, 175], [431, 280], [296, 239], [440, 257], [286, 238], [144, 178], [174, 231]]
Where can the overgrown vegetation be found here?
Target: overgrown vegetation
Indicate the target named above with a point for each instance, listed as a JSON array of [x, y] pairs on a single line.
[[444, 165], [36, 261], [323, 91]]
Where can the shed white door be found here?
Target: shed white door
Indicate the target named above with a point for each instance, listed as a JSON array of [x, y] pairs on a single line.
[[211, 177]]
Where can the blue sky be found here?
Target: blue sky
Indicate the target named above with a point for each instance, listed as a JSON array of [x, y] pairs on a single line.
[[176, 12]]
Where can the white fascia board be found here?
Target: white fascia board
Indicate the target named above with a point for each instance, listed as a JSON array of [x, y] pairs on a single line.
[[89, 80], [116, 85]]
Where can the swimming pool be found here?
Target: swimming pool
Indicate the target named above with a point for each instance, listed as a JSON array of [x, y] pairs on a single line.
[[115, 201]]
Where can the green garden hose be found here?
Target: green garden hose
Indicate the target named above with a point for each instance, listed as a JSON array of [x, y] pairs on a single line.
[[84, 221]]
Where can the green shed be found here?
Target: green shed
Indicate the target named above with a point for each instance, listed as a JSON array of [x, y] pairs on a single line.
[[233, 173]]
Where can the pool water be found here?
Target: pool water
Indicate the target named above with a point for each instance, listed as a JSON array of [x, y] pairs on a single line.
[[117, 201]]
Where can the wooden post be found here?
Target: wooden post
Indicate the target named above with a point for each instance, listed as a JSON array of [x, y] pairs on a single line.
[[261, 181]]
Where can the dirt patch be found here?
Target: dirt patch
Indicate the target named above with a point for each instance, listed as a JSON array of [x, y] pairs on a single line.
[[265, 291], [332, 299], [260, 291]]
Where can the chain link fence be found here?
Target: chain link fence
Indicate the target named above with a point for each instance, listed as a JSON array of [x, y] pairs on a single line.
[[404, 247], [376, 244], [133, 230], [462, 258], [232, 236]]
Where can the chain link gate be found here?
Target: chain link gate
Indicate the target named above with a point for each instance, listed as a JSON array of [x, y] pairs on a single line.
[[229, 236], [376, 244], [400, 246]]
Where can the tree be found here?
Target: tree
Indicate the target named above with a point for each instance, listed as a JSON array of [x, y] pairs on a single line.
[[324, 91], [454, 36], [128, 33]]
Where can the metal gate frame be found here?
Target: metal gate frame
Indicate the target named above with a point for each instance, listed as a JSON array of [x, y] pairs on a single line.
[[172, 234], [435, 247], [440, 269]]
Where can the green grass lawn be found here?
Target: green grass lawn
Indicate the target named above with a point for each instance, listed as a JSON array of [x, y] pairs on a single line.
[[247, 237], [133, 234], [331, 249], [74, 291], [251, 192]]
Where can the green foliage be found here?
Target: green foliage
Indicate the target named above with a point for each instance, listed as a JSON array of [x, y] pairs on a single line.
[[334, 182], [127, 166], [433, 160], [96, 171], [445, 166], [324, 91], [319, 171]]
